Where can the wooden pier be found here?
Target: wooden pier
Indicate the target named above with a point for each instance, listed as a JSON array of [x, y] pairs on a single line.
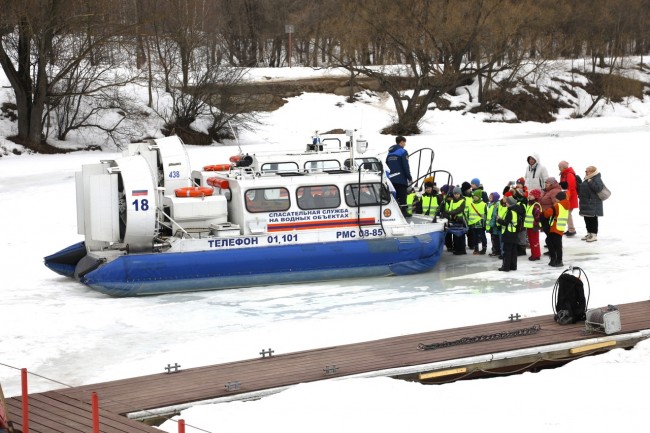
[[123, 401]]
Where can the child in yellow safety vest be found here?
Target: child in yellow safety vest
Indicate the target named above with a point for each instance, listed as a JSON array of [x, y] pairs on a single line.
[[558, 216], [491, 224], [476, 217], [430, 201]]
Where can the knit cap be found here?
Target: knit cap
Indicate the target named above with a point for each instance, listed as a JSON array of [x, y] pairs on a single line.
[[495, 197], [511, 201], [521, 181], [465, 186], [478, 193], [457, 191], [561, 195], [551, 180], [535, 193], [476, 181], [444, 189]]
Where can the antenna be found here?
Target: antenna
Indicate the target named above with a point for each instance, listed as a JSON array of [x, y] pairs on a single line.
[[234, 135]]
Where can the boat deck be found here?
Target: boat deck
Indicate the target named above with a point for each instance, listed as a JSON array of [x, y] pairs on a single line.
[[68, 410]]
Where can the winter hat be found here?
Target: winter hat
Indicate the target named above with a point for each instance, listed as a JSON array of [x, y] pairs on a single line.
[[476, 182], [495, 197], [551, 180], [561, 195], [535, 193], [457, 191], [521, 181], [478, 194], [507, 194], [511, 201], [465, 186], [428, 184], [444, 189]]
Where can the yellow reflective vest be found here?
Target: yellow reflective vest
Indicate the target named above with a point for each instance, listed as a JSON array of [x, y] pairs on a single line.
[[562, 218], [476, 212], [409, 203], [490, 212], [429, 205], [512, 227], [529, 221]]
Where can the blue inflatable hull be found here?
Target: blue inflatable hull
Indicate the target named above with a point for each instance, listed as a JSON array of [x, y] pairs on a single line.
[[157, 273]]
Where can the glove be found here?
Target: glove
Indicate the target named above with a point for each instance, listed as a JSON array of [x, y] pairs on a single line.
[[564, 184]]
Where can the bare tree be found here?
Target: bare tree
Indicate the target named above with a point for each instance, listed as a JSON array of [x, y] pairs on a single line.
[[433, 39], [29, 31], [89, 98]]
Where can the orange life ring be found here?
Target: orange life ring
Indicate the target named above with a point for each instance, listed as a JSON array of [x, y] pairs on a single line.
[[194, 191], [217, 167]]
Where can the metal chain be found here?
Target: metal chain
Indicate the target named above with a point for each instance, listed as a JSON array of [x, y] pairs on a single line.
[[480, 338]]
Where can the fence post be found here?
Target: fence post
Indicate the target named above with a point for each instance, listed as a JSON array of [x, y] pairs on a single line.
[[23, 379], [95, 405], [181, 425]]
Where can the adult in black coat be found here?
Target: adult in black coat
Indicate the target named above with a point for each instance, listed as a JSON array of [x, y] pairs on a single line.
[[590, 205]]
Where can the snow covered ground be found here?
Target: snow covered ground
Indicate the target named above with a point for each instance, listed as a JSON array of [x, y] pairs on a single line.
[[68, 334]]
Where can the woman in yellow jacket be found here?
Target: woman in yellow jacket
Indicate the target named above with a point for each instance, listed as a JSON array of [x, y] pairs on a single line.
[[558, 216]]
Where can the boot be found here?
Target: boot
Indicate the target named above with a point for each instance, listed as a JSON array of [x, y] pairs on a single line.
[[593, 238], [482, 252]]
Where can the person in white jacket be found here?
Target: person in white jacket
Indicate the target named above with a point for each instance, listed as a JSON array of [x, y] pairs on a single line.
[[536, 173]]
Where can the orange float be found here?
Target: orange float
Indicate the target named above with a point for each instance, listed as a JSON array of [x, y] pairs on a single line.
[[217, 167], [194, 191], [218, 182]]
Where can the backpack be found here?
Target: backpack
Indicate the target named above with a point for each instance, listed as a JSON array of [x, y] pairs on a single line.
[[569, 302], [578, 181]]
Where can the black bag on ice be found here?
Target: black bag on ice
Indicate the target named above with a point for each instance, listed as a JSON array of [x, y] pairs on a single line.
[[569, 302]]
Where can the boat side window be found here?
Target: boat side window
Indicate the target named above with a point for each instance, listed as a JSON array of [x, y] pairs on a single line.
[[366, 194], [267, 200], [322, 165], [318, 197], [279, 167]]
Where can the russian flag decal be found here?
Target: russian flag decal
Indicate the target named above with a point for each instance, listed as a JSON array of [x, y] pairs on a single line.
[[139, 192]]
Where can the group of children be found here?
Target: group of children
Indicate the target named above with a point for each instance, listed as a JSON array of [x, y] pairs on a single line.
[[512, 219]]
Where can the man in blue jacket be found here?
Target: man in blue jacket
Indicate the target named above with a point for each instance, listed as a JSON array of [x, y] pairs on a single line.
[[400, 172]]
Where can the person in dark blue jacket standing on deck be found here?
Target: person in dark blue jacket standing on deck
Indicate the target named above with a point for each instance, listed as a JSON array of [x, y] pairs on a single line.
[[400, 172]]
